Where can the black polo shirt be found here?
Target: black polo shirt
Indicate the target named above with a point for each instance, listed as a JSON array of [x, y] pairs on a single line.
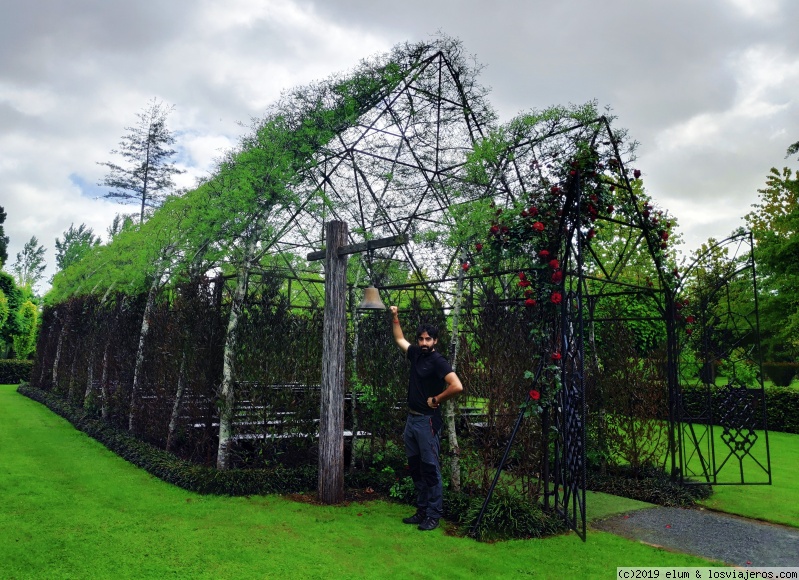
[[427, 378]]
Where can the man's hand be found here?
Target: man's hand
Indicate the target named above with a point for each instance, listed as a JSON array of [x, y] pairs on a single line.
[[433, 403]]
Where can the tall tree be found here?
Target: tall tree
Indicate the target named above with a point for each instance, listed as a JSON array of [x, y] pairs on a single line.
[[792, 150], [76, 242], [3, 239], [30, 264], [146, 176]]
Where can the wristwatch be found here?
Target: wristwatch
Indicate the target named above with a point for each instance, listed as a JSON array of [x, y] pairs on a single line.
[[435, 401]]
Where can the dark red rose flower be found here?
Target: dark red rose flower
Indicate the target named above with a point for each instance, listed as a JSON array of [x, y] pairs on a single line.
[[522, 276], [689, 331], [556, 356], [543, 254], [528, 293], [591, 233], [555, 189], [494, 229], [690, 319], [557, 277], [637, 173], [524, 283], [556, 298], [532, 211], [664, 235], [685, 302], [465, 266], [478, 247], [663, 245], [611, 209], [538, 226], [678, 305], [534, 395], [645, 213], [504, 229], [529, 303], [499, 211], [573, 172], [554, 264], [593, 197]]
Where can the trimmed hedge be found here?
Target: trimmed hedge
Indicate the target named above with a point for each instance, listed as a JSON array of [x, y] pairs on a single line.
[[782, 406], [653, 486], [13, 372], [780, 373], [165, 466]]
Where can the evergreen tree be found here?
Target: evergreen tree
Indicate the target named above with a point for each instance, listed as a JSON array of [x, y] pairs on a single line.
[[77, 241], [146, 176]]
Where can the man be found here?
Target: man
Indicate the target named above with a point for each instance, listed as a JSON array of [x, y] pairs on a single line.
[[432, 382]]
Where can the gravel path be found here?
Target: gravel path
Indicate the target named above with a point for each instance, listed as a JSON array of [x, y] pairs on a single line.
[[730, 539]]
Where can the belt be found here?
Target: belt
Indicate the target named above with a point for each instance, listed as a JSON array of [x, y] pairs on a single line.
[[417, 413]]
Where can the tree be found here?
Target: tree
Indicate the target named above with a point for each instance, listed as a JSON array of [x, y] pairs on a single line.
[[12, 300], [30, 265], [792, 150], [3, 239], [25, 342], [775, 224], [77, 241], [146, 177]]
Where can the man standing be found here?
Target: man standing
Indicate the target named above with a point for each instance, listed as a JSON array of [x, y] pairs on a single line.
[[432, 381]]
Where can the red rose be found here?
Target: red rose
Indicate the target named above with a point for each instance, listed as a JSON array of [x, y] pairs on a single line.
[[555, 189], [543, 254], [538, 226], [663, 245], [591, 233], [479, 247], [611, 209], [664, 235], [524, 283], [533, 211], [465, 266], [554, 264], [522, 276], [637, 173], [556, 298], [529, 303], [494, 229], [556, 356], [557, 277], [689, 331], [690, 319], [528, 293], [534, 395]]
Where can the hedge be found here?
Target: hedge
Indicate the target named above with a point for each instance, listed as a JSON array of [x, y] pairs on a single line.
[[780, 373], [13, 372], [782, 405]]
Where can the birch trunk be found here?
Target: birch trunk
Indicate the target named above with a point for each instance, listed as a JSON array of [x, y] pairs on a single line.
[[58, 354], [451, 405], [227, 395], [137, 371], [173, 420]]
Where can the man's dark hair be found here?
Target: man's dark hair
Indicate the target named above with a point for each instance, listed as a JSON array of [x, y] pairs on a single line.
[[430, 329]]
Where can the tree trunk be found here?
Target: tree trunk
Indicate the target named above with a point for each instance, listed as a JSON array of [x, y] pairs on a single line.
[[104, 383], [137, 371], [58, 354], [331, 414], [173, 420], [89, 378], [227, 395], [451, 405]]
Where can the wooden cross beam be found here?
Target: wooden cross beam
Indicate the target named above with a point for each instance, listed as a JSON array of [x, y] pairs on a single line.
[[361, 247]]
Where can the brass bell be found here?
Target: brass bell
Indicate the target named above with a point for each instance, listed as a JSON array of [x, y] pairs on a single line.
[[371, 300]]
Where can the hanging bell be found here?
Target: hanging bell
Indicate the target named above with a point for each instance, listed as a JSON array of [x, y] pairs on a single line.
[[371, 300]]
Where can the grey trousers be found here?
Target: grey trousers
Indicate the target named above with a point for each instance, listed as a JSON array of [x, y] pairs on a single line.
[[422, 446]]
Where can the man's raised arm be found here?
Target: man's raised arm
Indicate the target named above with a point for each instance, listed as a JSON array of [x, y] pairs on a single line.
[[399, 338]]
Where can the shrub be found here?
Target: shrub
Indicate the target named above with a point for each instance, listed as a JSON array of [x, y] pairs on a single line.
[[652, 485], [13, 372], [510, 515], [780, 373]]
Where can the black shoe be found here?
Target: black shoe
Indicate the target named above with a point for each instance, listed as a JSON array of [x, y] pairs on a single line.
[[428, 524], [416, 518]]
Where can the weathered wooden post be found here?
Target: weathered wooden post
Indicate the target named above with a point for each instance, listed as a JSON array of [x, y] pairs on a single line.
[[334, 339], [331, 419]]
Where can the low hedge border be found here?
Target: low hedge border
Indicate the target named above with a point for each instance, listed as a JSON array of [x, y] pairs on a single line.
[[652, 486], [509, 516], [165, 466], [13, 372], [782, 405]]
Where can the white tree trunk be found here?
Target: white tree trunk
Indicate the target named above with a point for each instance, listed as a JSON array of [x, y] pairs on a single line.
[[173, 420], [227, 395], [58, 354], [137, 372], [450, 406]]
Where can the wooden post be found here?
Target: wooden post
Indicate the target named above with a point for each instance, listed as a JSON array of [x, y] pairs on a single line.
[[331, 415]]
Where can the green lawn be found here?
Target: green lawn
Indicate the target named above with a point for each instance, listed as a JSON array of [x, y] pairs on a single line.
[[69, 508]]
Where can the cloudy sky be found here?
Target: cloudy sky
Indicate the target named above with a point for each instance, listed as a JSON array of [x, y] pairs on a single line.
[[710, 88]]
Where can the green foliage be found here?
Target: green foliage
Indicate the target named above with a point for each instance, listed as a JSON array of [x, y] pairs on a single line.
[[781, 373], [30, 264], [510, 515], [4, 309], [76, 243], [651, 485], [25, 342], [13, 299], [13, 372]]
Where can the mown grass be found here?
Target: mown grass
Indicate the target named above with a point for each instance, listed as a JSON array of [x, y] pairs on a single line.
[[69, 508]]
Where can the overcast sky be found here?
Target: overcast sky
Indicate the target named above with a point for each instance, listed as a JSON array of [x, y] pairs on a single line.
[[710, 88]]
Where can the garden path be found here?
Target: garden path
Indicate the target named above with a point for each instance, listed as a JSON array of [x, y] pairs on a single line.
[[730, 539]]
